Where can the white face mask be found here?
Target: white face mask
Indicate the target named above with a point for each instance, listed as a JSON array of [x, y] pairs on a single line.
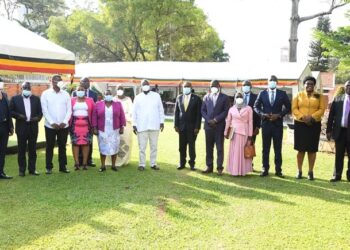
[[80, 93], [214, 90], [61, 84], [246, 89], [120, 92], [1, 85], [26, 92], [239, 100], [272, 84], [145, 88], [108, 98], [186, 90]]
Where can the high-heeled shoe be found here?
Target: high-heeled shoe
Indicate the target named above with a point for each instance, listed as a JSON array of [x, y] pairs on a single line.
[[76, 167]]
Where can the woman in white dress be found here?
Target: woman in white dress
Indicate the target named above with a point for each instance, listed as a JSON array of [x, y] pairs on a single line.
[[108, 121]]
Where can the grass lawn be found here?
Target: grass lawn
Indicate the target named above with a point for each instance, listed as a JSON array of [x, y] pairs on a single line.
[[171, 209]]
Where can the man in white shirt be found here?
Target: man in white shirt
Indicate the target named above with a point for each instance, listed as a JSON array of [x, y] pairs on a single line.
[[148, 119], [57, 110]]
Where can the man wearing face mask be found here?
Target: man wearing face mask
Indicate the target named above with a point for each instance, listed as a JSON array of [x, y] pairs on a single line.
[[187, 123], [57, 110], [26, 110], [214, 110], [272, 105], [6, 129], [85, 83], [148, 119]]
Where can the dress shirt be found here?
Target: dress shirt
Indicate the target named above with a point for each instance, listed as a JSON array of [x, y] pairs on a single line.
[[56, 106], [214, 98], [148, 112], [346, 109], [27, 107], [246, 98], [270, 91]]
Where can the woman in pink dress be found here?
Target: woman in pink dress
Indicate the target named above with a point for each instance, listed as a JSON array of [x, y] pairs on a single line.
[[80, 126], [240, 121]]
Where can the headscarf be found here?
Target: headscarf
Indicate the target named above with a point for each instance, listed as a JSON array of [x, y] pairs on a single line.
[[239, 106]]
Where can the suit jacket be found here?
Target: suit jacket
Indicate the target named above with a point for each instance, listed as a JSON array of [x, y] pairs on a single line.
[[335, 117], [281, 105], [256, 117], [17, 108], [92, 94], [191, 118], [219, 112], [8, 113]]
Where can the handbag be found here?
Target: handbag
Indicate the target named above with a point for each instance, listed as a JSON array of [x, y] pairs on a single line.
[[249, 151], [231, 132]]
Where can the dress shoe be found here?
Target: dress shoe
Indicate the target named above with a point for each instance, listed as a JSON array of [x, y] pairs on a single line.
[[85, 167], [66, 171], [141, 168], [299, 175], [154, 167], [310, 176], [22, 174], [207, 171], [92, 164], [5, 177], [48, 171], [114, 168], [102, 169], [264, 174], [335, 179], [220, 171], [180, 167], [193, 168], [280, 175], [34, 173]]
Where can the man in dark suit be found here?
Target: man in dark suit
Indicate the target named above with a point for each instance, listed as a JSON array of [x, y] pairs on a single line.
[[188, 121], [272, 105], [6, 129], [214, 110], [338, 128], [26, 109], [85, 82]]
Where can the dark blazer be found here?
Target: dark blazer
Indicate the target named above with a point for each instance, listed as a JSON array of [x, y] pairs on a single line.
[[191, 118], [92, 94], [281, 105], [219, 112], [7, 112], [17, 109], [335, 117], [256, 117]]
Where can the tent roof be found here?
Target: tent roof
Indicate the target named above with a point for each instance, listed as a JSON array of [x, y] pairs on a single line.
[[23, 50]]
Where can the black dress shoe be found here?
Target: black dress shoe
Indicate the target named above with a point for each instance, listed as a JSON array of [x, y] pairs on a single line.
[[66, 171], [299, 175], [114, 168], [34, 173], [310, 176], [335, 179], [102, 169], [92, 164], [207, 171], [193, 168], [48, 171], [180, 167], [22, 174], [280, 175], [154, 167], [141, 168], [5, 177], [220, 171], [264, 174]]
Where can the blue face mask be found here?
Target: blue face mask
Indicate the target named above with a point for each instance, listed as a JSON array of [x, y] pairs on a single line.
[[186, 90], [26, 92], [80, 93], [246, 89], [108, 98], [272, 84]]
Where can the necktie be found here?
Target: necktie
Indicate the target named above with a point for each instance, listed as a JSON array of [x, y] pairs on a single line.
[[246, 99], [186, 102], [272, 100]]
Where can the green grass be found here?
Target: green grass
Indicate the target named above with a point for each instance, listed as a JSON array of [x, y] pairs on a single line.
[[171, 209]]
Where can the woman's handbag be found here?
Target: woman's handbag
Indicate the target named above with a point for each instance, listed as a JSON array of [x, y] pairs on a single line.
[[231, 132], [249, 151]]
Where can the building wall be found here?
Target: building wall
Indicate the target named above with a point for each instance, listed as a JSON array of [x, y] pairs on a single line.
[[13, 89]]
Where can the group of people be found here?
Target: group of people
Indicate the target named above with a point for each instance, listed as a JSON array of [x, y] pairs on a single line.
[[113, 120]]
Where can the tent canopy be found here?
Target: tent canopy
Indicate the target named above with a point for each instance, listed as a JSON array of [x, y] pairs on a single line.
[[24, 51]]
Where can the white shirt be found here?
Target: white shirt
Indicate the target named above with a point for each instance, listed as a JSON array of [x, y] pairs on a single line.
[[214, 97], [27, 107], [148, 112], [343, 123], [57, 107], [80, 109]]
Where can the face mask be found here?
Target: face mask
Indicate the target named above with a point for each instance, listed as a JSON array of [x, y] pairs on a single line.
[[80, 93], [26, 92], [61, 84], [272, 84], [120, 92], [214, 90], [186, 90], [239, 100], [1, 85], [145, 88], [108, 98], [246, 89]]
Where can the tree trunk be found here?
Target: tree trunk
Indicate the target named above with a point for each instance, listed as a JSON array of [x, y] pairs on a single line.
[[294, 25]]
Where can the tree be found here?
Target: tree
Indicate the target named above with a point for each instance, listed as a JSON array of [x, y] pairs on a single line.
[[295, 20], [9, 6], [139, 30], [318, 60]]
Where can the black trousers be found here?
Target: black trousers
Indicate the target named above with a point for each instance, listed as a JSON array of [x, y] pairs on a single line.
[[27, 138], [341, 145], [272, 132], [214, 136], [4, 137], [61, 135], [187, 137]]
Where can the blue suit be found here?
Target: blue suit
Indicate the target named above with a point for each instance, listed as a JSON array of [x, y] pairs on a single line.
[[215, 135], [272, 130]]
